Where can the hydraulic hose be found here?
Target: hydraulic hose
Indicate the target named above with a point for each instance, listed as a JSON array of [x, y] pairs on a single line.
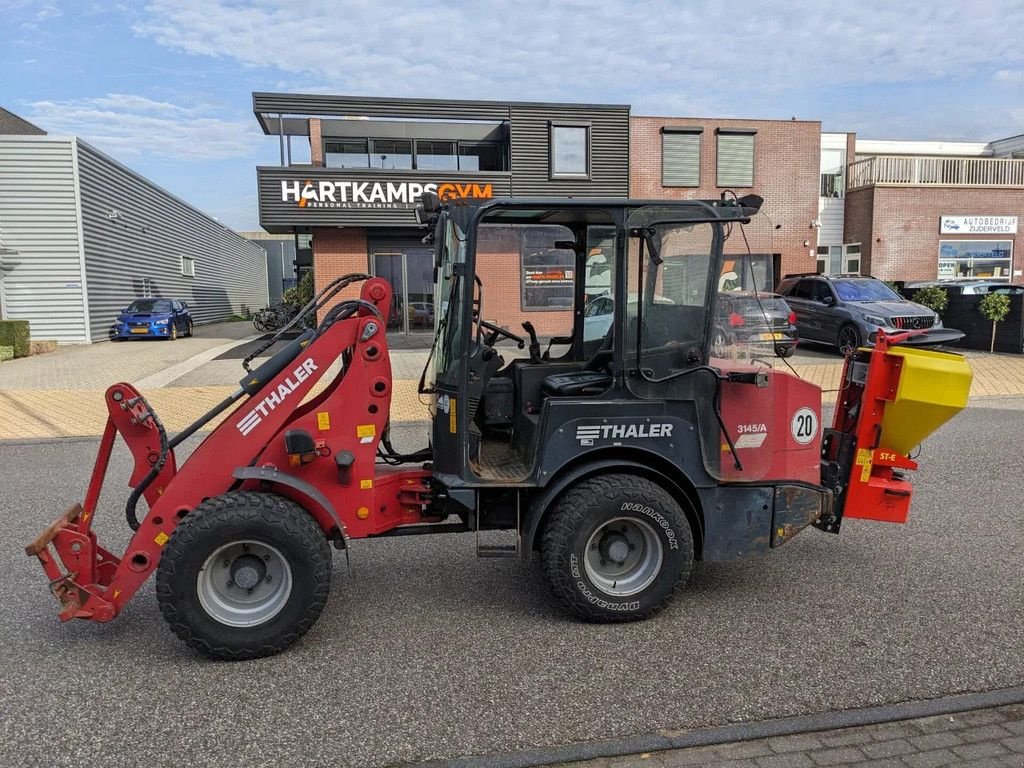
[[154, 472]]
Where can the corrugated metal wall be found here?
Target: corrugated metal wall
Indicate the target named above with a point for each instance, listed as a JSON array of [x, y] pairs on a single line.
[[530, 136], [41, 260], [137, 250]]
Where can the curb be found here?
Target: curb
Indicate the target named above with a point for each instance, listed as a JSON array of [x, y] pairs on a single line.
[[726, 734]]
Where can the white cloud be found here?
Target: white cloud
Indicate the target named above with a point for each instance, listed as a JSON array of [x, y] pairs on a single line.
[[1009, 76], [132, 125], [662, 54], [48, 12]]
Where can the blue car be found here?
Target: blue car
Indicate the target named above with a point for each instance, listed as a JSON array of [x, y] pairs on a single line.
[[154, 319]]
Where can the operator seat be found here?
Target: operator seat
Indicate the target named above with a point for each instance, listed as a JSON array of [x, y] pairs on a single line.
[[593, 379]]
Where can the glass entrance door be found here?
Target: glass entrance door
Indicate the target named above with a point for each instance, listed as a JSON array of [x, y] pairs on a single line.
[[410, 272]]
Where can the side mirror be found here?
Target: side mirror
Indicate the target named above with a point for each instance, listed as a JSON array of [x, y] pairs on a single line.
[[828, 301]]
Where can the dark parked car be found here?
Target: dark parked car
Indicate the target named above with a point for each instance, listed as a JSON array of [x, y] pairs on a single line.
[[846, 311], [966, 287], [764, 320], [154, 318]]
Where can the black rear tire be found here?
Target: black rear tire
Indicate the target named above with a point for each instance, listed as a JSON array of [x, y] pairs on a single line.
[[848, 339], [580, 523], [782, 351], [261, 520]]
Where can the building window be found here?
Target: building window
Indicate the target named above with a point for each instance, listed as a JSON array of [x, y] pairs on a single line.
[[436, 155], [346, 153], [832, 184], [391, 153], [570, 151], [548, 272], [735, 158], [188, 266], [851, 254], [680, 157], [975, 258], [832, 162], [481, 156]]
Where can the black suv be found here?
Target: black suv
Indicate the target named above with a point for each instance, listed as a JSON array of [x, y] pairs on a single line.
[[846, 311]]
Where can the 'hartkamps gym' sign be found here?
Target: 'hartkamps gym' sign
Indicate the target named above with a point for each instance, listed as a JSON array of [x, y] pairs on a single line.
[[309, 193]]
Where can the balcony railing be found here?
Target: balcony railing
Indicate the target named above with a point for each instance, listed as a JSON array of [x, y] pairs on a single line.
[[914, 171]]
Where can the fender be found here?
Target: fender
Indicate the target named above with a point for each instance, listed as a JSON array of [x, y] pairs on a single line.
[[539, 504], [274, 475]]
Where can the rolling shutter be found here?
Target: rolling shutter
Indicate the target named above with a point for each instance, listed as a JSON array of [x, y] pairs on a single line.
[[680, 157], [735, 159]]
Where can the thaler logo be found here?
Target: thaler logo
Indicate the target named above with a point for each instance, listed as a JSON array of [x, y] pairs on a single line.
[[587, 434], [252, 419]]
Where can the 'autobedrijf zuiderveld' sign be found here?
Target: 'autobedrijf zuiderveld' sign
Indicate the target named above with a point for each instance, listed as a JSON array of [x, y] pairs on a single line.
[[978, 225]]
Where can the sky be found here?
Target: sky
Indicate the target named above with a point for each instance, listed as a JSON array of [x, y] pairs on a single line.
[[166, 87]]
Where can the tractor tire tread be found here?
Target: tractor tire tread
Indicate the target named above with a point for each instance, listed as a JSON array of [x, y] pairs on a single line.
[[266, 507], [564, 519]]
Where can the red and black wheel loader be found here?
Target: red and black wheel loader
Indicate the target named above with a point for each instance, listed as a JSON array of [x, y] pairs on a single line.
[[617, 459]]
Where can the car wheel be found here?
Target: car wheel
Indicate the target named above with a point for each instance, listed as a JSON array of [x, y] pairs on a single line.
[[782, 351], [188, 329], [720, 343], [173, 335], [849, 339]]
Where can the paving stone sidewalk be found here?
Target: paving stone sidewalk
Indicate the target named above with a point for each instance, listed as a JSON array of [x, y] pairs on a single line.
[[68, 402], [985, 737]]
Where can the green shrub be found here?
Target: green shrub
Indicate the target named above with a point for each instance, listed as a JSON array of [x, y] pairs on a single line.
[[302, 293], [933, 297], [15, 333], [6, 353]]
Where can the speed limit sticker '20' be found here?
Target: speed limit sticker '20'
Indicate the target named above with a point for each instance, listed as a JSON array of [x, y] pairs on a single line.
[[804, 426]]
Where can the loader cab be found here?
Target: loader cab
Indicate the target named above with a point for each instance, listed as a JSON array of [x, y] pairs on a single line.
[[639, 282]]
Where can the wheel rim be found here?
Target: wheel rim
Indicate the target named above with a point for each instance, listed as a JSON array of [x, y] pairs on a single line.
[[174, 332], [244, 583], [623, 556], [848, 341]]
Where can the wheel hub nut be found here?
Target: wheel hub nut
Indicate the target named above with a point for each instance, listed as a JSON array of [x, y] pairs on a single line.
[[247, 571], [615, 547]]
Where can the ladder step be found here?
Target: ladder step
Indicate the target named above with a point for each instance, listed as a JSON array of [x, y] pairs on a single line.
[[497, 550]]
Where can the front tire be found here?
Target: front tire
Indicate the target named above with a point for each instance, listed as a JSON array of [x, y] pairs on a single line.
[[849, 340], [616, 548], [244, 575]]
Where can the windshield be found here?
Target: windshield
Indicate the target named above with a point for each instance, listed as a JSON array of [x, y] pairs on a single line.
[[865, 290], [150, 305]]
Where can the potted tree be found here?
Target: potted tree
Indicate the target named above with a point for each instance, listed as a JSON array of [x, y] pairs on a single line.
[[995, 307]]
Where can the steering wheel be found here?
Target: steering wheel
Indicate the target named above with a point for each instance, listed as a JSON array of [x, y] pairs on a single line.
[[497, 331]]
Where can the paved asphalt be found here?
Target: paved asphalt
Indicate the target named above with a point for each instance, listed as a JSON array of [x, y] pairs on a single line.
[[427, 652]]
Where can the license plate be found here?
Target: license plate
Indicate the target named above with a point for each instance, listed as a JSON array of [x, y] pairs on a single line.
[[140, 330], [772, 337]]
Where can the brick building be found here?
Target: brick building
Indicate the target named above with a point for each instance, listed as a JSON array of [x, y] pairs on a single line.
[[686, 158], [370, 159], [927, 210], [347, 186]]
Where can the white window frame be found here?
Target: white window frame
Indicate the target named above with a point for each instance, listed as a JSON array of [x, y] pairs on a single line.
[[553, 126], [188, 265]]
